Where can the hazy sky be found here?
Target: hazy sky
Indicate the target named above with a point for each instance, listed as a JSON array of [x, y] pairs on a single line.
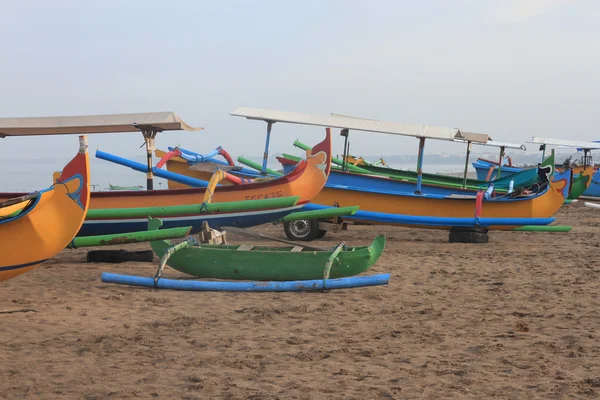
[[509, 68]]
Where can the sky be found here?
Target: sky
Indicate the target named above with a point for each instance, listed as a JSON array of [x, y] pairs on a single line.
[[509, 68]]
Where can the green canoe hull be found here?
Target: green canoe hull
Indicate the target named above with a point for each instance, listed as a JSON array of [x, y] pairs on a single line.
[[266, 263]]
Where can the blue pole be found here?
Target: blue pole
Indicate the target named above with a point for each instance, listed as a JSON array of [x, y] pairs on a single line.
[[420, 220], [420, 165], [172, 176], [266, 155], [224, 286]]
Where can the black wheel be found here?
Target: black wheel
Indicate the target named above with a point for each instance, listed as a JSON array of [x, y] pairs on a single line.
[[303, 230], [321, 233], [468, 237]]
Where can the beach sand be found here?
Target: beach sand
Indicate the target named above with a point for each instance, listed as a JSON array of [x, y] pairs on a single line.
[[515, 318]]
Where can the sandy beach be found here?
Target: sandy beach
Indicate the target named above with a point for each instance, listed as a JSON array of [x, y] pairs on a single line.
[[516, 318]]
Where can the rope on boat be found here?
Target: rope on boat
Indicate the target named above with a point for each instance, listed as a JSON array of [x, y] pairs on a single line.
[[204, 209], [330, 261], [189, 242]]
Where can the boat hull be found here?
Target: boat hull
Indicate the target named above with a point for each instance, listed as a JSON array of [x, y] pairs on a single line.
[[245, 219], [585, 181], [389, 179], [542, 205], [593, 189], [47, 225], [268, 263]]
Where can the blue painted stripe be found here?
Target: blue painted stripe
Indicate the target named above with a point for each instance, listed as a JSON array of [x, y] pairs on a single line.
[[11, 267]]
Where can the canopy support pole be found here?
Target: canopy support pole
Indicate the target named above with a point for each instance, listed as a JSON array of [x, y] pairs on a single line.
[[149, 133], [266, 154], [587, 159], [464, 185], [543, 149], [344, 133], [420, 165], [500, 162]]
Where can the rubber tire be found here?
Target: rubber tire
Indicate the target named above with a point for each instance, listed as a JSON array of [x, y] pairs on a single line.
[[321, 234], [467, 237], [311, 228]]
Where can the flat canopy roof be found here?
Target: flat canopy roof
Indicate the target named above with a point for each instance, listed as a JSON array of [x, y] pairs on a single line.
[[566, 143], [85, 124], [357, 124], [494, 143]]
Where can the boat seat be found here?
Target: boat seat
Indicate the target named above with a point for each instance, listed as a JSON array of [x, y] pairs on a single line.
[[297, 249], [245, 247]]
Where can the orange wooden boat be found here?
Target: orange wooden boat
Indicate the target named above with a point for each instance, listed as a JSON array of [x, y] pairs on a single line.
[[306, 181], [37, 226], [542, 204]]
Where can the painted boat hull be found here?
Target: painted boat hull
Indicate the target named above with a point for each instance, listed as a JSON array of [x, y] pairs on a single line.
[[594, 188], [541, 205], [383, 183], [585, 181], [581, 182], [45, 227], [431, 182], [264, 263], [386, 184], [245, 219], [482, 169]]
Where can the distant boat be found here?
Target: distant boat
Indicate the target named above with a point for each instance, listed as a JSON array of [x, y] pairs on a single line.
[[115, 187]]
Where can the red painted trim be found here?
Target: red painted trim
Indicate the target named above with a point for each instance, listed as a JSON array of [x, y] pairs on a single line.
[[173, 153]]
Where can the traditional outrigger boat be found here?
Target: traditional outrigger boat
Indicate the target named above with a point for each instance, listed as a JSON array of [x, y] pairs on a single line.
[[509, 182], [540, 203], [267, 263], [585, 177], [190, 164], [581, 178], [37, 226], [592, 187], [117, 187], [304, 183], [432, 183]]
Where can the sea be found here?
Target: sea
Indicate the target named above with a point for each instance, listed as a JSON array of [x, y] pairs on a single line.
[[24, 176]]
